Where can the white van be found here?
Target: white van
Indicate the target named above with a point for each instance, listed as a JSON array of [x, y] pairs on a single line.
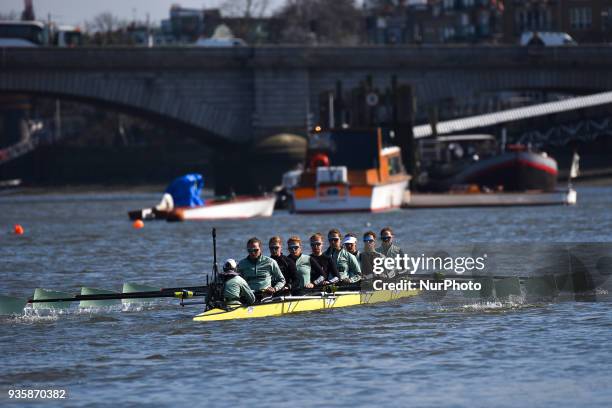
[[547, 38]]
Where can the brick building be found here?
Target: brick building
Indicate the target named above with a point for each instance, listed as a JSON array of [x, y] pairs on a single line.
[[587, 21], [432, 21]]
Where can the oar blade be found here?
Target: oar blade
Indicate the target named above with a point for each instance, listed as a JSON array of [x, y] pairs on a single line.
[[138, 287], [97, 303], [485, 292], [507, 287], [10, 305], [542, 286], [475, 294], [44, 294]]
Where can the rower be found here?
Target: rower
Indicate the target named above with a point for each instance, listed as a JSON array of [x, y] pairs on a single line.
[[308, 270], [286, 264], [327, 263], [236, 290], [346, 263], [369, 253], [350, 244], [261, 272], [388, 248]]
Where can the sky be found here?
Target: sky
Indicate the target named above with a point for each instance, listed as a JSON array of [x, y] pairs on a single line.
[[75, 12]]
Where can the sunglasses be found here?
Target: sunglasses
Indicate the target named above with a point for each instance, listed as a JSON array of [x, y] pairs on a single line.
[[274, 248], [333, 239], [386, 238], [316, 243], [294, 247], [253, 250], [367, 241]]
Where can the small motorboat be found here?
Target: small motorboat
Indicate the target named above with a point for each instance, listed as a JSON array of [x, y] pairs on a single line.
[[181, 202], [350, 170]]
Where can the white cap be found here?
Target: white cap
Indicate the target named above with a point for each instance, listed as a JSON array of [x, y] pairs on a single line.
[[229, 265], [349, 240]]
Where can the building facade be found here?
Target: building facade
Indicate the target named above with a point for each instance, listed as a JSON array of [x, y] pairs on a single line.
[[433, 21], [587, 21]]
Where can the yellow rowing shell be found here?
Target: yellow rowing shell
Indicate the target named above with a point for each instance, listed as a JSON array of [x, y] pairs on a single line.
[[296, 304]]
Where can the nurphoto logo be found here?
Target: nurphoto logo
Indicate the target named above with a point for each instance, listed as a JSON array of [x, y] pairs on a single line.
[[428, 264]]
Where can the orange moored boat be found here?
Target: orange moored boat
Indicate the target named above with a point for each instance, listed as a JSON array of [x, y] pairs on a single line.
[[351, 170]]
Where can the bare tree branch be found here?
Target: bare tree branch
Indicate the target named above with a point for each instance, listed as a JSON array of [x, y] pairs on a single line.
[[321, 22]]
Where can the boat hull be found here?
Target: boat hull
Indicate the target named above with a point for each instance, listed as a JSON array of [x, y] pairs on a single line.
[[441, 200], [235, 209], [297, 304], [346, 198], [238, 208], [515, 171]]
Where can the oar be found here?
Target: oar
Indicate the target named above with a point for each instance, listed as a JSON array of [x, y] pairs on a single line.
[[181, 293], [97, 303], [44, 299], [10, 305]]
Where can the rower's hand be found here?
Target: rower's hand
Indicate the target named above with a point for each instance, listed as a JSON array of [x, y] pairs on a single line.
[[325, 283], [309, 286], [270, 290]]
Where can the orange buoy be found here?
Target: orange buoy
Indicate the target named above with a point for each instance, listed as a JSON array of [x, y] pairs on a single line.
[[18, 229], [138, 224]]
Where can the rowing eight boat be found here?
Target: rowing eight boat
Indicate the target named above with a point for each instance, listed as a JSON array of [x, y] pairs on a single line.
[[294, 304]]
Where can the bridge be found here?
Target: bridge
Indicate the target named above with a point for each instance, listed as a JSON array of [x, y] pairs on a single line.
[[240, 94]]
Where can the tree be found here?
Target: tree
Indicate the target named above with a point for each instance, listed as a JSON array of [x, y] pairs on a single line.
[[246, 19], [105, 22], [321, 22], [106, 28]]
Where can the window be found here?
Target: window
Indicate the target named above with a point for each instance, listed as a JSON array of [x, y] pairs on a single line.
[[395, 165], [606, 19], [581, 18], [447, 34], [519, 21]]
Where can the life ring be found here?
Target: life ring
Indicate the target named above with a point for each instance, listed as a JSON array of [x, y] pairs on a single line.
[[319, 160]]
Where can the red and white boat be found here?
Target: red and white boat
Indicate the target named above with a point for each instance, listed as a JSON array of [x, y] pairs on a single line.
[[350, 170], [235, 208], [515, 170], [181, 202], [215, 209]]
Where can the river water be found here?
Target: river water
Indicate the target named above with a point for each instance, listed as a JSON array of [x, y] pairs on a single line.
[[416, 352]]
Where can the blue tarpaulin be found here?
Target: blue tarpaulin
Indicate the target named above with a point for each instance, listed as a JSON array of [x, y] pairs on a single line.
[[185, 190]]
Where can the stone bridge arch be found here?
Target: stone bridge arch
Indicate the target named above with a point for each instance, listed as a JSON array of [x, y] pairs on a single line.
[[187, 99], [239, 94]]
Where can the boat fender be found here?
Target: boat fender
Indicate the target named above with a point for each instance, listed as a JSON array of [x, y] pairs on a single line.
[[166, 203]]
